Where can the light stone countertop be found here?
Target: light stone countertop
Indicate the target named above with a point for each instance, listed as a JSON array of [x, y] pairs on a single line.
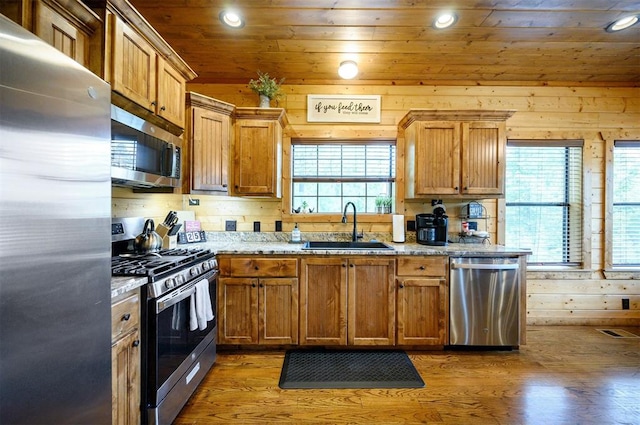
[[248, 243]]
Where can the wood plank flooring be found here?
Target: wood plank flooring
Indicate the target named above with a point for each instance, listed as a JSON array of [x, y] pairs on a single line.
[[564, 375]]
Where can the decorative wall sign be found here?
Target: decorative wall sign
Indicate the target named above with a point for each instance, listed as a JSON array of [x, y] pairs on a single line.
[[343, 108]]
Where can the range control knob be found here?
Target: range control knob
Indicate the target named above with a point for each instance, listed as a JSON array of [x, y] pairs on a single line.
[[194, 271], [169, 283], [206, 266], [179, 279]]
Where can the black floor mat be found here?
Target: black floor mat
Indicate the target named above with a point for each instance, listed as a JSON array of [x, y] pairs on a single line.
[[348, 369]]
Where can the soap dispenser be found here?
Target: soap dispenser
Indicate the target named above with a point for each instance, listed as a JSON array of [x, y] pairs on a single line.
[[295, 234]]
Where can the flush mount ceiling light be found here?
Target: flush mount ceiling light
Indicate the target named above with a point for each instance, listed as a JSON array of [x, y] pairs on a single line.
[[445, 20], [348, 70], [623, 23], [231, 19]]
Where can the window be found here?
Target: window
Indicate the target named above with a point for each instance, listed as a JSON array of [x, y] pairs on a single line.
[[544, 200], [626, 203], [327, 175]]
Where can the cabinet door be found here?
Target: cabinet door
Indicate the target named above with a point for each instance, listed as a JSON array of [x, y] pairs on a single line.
[[125, 382], [422, 311], [134, 66], [254, 158], [278, 311], [210, 157], [437, 158], [237, 307], [53, 28], [323, 301], [483, 164], [171, 93], [371, 307]]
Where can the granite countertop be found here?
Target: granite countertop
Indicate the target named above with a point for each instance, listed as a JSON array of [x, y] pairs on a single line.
[[248, 243], [287, 248]]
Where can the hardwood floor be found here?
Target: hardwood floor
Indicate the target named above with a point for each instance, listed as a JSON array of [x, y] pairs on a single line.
[[564, 375]]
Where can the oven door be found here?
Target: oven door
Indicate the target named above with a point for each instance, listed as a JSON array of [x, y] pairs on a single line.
[[173, 348]]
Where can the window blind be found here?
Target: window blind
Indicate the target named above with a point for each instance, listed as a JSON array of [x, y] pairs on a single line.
[[626, 203], [326, 175], [544, 200]]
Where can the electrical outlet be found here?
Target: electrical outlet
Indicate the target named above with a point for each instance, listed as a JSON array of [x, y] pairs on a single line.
[[278, 226], [194, 202], [230, 225], [411, 225], [256, 226], [625, 303]]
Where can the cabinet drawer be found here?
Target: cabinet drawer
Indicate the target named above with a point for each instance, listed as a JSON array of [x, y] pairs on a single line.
[[125, 316], [259, 267], [422, 266]]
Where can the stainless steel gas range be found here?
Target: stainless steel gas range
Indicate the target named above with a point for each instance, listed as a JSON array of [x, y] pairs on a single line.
[[179, 321]]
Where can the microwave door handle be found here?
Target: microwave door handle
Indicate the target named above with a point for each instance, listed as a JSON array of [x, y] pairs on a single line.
[[168, 164]]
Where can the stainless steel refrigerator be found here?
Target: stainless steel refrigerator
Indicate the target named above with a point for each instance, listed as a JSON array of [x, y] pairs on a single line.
[[55, 208]]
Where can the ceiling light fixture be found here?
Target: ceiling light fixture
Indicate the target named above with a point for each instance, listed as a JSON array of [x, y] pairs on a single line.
[[445, 20], [623, 23], [348, 70], [231, 19]]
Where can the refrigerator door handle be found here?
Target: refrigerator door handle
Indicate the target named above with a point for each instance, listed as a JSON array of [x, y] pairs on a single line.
[[512, 266]]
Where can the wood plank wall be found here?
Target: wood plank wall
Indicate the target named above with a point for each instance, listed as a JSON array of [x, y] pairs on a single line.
[[558, 297]]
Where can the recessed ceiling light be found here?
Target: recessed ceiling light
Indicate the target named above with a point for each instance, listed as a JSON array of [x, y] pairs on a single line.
[[348, 70], [231, 19], [623, 23], [445, 20]]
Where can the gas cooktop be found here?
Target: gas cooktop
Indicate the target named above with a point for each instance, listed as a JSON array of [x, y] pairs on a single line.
[[156, 265]]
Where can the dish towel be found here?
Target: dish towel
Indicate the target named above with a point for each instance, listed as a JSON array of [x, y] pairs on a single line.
[[200, 307]]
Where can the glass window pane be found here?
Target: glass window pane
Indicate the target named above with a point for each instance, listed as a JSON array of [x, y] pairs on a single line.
[[371, 164]]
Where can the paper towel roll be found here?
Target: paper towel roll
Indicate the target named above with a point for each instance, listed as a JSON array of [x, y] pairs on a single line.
[[398, 228]]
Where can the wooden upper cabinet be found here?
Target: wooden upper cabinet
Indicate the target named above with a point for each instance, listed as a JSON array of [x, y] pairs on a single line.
[[257, 151], [134, 65], [206, 151], [454, 153], [170, 93], [68, 25]]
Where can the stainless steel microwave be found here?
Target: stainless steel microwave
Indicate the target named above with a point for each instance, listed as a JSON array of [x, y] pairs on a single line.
[[142, 154]]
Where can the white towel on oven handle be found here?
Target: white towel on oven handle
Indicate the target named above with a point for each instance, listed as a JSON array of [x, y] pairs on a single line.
[[201, 311]]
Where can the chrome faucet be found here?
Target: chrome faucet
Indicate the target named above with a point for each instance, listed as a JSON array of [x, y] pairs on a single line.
[[354, 235]]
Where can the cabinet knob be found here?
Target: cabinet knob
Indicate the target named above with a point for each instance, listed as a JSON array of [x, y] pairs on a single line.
[[262, 285], [126, 317], [455, 188], [154, 103], [422, 267], [162, 108], [401, 286], [136, 343], [253, 285], [257, 268], [351, 265]]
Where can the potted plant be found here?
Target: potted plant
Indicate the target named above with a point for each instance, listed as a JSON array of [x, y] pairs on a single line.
[[267, 88], [388, 202], [380, 204]]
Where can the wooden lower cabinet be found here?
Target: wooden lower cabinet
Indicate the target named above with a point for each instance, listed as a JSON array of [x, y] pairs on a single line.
[[258, 300], [125, 359], [258, 311], [422, 300], [347, 301]]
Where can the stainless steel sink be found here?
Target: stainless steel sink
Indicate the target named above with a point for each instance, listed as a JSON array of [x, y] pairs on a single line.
[[345, 245]]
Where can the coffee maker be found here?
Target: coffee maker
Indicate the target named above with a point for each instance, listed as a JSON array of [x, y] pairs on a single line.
[[431, 229]]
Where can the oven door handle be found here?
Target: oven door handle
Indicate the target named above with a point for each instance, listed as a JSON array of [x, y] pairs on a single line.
[[164, 303]]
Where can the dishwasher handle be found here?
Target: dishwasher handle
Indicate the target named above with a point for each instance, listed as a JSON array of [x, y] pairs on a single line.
[[471, 266]]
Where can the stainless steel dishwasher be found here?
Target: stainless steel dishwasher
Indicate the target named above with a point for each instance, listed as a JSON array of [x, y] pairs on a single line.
[[484, 302]]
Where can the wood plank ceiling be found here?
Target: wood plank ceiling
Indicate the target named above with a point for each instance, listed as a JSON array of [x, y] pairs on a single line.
[[499, 42]]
